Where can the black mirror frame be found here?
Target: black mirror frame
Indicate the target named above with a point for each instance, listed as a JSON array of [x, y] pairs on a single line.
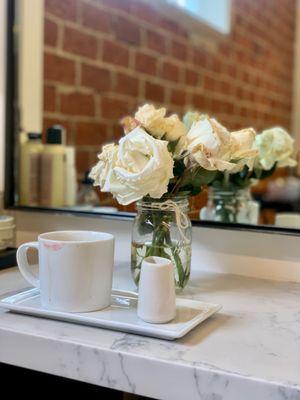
[[11, 131]]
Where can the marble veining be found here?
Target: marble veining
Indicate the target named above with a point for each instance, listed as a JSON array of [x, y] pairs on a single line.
[[249, 350]]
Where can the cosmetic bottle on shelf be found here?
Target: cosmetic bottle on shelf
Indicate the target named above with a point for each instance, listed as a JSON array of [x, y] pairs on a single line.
[[30, 159], [52, 177], [70, 177]]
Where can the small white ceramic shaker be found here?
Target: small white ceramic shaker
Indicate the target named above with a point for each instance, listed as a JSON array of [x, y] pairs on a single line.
[[157, 300]]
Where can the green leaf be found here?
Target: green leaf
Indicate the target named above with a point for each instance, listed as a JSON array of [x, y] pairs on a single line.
[[267, 174], [178, 168], [172, 146], [195, 191], [263, 174], [184, 193], [202, 177]]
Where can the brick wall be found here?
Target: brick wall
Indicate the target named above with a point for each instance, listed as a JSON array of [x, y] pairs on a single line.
[[105, 57]]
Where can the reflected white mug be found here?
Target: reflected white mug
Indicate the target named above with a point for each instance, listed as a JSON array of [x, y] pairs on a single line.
[[75, 269]]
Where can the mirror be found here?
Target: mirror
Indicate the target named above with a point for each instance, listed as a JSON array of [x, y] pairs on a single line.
[[82, 65]]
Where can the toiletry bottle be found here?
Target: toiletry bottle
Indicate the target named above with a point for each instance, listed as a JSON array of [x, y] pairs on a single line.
[[30, 157], [52, 177], [70, 177]]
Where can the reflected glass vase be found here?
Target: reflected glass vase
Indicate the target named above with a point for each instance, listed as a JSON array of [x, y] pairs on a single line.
[[165, 231], [231, 206]]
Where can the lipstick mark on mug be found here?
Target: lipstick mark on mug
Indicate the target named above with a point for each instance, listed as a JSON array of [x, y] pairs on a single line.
[[53, 246]]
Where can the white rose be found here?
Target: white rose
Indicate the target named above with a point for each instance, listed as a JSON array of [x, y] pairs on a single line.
[[274, 145], [192, 116], [243, 152], [210, 144], [158, 125], [102, 172], [144, 167], [152, 119], [174, 128]]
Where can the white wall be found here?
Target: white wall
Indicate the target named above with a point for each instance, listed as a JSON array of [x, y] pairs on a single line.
[[261, 255], [31, 41], [2, 87]]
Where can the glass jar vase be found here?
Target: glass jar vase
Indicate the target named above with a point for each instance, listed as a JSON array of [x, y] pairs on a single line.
[[162, 228], [231, 206]]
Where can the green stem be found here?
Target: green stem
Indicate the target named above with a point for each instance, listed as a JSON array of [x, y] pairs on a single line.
[[177, 260]]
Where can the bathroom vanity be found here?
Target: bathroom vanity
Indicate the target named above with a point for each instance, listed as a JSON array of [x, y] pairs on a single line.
[[249, 350], [89, 70]]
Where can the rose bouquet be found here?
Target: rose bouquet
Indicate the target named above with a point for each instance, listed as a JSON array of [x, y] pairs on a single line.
[[159, 163], [230, 199]]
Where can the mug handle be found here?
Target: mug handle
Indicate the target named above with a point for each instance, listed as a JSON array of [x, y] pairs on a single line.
[[24, 265]]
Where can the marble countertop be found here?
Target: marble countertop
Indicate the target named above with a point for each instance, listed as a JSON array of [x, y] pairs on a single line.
[[250, 350]]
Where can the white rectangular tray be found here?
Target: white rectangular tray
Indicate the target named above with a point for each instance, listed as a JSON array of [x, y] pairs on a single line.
[[121, 315]]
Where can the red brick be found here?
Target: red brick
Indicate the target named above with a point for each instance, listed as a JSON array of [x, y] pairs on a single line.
[[114, 53], [90, 133], [232, 70], [170, 72], [172, 26], [199, 102], [96, 18], [77, 42], [127, 31], [113, 108], [145, 63], [83, 163], [122, 5], [191, 77], [209, 83], [216, 105], [146, 13], [118, 131], [178, 97], [59, 69], [49, 98], [215, 65], [200, 58], [154, 92], [248, 71], [127, 84], [96, 77], [156, 42], [224, 88], [50, 33], [77, 104], [66, 9], [179, 50], [227, 107], [224, 49]]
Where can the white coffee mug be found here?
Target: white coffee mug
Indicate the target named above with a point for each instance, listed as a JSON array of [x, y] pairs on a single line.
[[75, 269], [157, 300]]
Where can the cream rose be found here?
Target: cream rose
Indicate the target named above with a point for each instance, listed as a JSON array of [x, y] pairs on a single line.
[[175, 129], [140, 165], [243, 152], [144, 167], [102, 172], [158, 125], [274, 145], [210, 144]]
